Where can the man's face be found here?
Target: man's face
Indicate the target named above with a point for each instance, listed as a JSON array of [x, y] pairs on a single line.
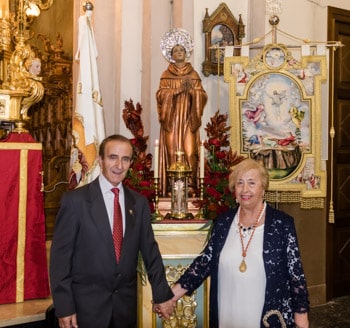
[[116, 162]]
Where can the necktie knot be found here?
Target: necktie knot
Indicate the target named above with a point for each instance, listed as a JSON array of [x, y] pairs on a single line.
[[115, 191]]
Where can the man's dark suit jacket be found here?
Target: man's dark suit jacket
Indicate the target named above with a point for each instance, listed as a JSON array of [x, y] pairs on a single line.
[[85, 276]]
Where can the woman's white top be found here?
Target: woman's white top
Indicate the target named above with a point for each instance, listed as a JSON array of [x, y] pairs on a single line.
[[241, 294]]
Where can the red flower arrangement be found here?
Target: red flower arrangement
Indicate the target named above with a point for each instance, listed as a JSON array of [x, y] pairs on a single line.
[[140, 175], [220, 160], [216, 196]]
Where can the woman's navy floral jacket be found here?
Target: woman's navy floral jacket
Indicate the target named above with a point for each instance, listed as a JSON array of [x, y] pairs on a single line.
[[286, 289]]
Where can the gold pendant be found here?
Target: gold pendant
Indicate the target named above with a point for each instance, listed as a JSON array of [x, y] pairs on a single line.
[[243, 266]]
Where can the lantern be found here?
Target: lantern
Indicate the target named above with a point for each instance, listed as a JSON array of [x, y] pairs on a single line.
[[179, 174]]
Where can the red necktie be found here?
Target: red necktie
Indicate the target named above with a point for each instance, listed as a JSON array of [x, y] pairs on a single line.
[[117, 224]]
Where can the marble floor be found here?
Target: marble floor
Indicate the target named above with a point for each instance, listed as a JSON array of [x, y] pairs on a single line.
[[334, 314]]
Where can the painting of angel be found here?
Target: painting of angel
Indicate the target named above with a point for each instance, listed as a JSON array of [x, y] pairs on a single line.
[[276, 125]]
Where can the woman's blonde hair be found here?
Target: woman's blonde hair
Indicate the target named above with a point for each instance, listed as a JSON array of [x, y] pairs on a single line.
[[244, 166]]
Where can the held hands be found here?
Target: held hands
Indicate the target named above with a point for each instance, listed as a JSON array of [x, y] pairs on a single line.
[[165, 309]]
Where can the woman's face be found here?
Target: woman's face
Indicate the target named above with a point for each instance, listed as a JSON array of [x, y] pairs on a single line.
[[248, 189], [178, 54]]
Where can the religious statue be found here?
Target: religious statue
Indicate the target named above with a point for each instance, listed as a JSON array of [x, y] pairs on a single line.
[[24, 70], [180, 103], [33, 84]]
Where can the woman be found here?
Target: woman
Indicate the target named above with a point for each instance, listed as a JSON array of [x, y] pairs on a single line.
[[253, 259], [180, 101]]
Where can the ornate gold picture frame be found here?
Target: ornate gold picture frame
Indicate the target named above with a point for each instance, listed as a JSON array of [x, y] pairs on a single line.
[[221, 29], [275, 112]]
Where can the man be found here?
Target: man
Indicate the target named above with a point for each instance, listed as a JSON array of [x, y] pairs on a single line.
[[90, 286]]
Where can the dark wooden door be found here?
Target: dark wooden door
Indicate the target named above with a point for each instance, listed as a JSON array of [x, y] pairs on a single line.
[[338, 233]]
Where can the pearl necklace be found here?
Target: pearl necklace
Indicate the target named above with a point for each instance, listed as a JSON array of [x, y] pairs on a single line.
[[251, 230]]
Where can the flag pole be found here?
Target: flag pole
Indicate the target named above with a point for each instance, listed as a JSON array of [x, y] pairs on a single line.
[[88, 129]]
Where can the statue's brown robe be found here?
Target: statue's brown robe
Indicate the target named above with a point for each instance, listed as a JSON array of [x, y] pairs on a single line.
[[180, 119]]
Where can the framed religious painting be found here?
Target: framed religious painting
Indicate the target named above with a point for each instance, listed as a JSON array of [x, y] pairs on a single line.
[[221, 29], [275, 111]]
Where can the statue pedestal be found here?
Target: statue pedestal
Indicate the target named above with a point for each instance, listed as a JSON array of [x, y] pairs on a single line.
[[179, 244]]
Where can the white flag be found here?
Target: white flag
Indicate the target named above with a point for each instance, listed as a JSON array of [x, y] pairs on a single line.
[[88, 120]]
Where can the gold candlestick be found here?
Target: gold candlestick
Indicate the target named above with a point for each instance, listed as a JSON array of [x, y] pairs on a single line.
[[157, 216]]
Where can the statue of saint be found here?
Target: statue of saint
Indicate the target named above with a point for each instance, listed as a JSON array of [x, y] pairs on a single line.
[[180, 103]]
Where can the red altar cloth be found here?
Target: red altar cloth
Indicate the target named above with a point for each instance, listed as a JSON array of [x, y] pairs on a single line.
[[23, 263]]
